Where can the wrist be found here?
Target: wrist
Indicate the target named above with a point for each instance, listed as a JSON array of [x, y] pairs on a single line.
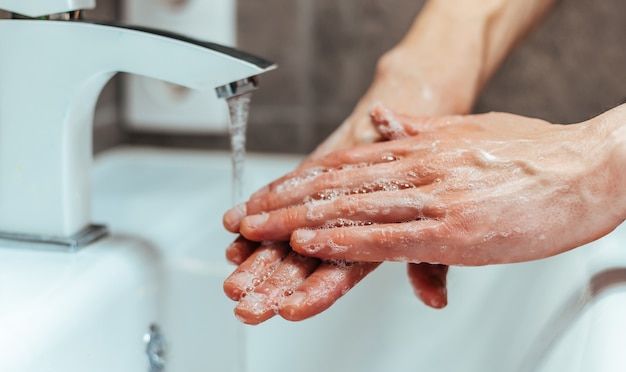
[[444, 52], [619, 141], [611, 127], [451, 43], [430, 85]]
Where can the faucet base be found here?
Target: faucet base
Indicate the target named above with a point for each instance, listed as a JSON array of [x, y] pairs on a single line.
[[72, 243]]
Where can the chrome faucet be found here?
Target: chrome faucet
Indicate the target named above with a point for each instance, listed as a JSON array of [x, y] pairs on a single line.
[[52, 69]]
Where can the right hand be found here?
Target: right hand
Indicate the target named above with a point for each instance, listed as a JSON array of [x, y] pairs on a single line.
[[462, 192]]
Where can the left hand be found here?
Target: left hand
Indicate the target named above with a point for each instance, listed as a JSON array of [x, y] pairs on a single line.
[[466, 190]]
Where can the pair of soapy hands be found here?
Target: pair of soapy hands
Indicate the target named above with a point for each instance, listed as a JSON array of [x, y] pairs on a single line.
[[436, 191]]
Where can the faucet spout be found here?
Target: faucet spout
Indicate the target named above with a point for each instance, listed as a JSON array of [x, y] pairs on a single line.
[[181, 60], [52, 73]]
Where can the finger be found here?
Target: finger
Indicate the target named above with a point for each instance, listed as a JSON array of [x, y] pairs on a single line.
[[232, 218], [429, 283], [417, 241], [379, 177], [381, 207], [345, 160], [321, 158], [329, 282], [264, 302], [254, 270], [239, 250], [397, 126], [323, 187]]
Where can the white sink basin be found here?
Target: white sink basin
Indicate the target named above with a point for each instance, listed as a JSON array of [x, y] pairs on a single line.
[[164, 264]]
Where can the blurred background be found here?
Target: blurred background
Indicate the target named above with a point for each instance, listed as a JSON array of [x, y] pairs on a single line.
[[571, 68]]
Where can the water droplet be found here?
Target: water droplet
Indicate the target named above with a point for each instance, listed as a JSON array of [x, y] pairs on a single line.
[[389, 158]]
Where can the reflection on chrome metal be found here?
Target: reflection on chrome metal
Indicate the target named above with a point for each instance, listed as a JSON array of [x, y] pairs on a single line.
[[155, 348], [238, 87], [72, 243], [564, 318], [67, 16]]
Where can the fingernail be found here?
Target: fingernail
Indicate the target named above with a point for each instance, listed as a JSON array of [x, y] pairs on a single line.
[[235, 286], [235, 256], [443, 297], [239, 280], [304, 236], [295, 300], [437, 299], [240, 209], [235, 215], [256, 220]]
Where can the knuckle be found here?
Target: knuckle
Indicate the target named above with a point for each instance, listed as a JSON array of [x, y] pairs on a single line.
[[291, 217], [347, 206]]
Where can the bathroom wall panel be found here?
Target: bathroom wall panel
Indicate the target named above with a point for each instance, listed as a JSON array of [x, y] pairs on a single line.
[[274, 29], [279, 30]]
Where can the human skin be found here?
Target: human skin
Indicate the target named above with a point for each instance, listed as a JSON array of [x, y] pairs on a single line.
[[463, 190], [437, 69]]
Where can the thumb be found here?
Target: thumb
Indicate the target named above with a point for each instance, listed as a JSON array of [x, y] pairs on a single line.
[[429, 283]]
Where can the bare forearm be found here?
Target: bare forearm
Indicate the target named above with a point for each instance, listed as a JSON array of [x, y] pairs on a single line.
[[465, 41]]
